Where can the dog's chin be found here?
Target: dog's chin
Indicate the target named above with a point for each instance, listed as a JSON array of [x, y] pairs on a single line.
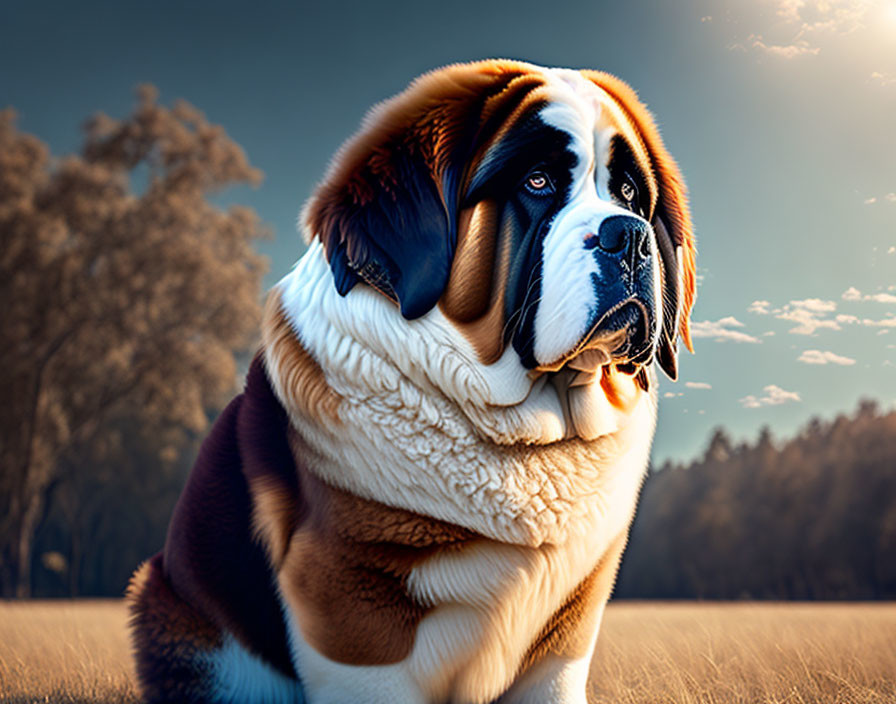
[[597, 387], [596, 402], [597, 391]]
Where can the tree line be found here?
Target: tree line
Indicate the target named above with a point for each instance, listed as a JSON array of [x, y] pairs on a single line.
[[813, 517]]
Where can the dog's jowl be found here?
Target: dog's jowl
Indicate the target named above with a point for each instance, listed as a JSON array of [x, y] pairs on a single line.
[[423, 493]]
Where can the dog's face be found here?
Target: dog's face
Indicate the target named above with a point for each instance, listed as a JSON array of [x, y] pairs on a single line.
[[537, 213]]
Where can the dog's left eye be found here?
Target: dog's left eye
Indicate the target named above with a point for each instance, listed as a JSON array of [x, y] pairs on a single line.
[[539, 183], [628, 193]]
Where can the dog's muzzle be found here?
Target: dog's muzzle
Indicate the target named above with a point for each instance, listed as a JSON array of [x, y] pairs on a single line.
[[625, 321], [599, 382]]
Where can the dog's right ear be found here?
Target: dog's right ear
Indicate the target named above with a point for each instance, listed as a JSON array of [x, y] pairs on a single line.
[[386, 211]]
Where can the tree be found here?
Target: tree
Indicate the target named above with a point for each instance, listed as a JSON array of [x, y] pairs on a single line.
[[126, 294]]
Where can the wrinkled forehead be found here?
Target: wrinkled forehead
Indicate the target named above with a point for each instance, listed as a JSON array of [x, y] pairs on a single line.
[[590, 116]]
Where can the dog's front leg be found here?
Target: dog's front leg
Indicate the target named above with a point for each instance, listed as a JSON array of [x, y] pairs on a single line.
[[555, 680], [559, 675]]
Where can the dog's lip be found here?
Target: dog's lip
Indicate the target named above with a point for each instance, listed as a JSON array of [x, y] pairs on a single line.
[[590, 357], [594, 351], [575, 374], [601, 347]]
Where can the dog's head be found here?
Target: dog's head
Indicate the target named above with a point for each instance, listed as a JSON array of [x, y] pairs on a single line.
[[536, 211]]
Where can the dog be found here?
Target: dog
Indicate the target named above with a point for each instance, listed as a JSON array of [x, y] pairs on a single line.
[[424, 491]]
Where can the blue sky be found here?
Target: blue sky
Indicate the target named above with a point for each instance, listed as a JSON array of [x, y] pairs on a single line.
[[780, 113]]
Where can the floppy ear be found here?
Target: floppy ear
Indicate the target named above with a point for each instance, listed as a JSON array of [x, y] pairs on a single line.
[[386, 210], [386, 221], [671, 222]]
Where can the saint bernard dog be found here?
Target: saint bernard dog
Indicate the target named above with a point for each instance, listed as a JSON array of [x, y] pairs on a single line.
[[423, 493]]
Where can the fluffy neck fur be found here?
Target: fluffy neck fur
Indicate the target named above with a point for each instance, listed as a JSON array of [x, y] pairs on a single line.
[[422, 425]]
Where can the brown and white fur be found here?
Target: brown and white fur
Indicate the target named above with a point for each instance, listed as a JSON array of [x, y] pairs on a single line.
[[435, 502]]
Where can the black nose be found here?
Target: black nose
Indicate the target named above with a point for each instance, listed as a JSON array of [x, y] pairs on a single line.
[[623, 235]]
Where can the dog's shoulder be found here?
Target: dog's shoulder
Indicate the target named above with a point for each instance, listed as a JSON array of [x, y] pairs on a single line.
[[211, 556]]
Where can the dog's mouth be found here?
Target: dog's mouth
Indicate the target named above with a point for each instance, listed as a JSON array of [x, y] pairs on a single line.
[[602, 379]]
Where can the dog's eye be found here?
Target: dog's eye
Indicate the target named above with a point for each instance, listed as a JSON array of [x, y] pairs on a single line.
[[539, 182], [628, 193]]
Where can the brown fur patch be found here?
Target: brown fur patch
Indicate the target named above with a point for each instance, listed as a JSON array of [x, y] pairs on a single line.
[[569, 630], [297, 378], [175, 621], [168, 636], [472, 271], [474, 299], [275, 511], [344, 574], [621, 389], [673, 206]]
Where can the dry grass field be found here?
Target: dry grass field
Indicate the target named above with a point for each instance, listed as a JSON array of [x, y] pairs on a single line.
[[70, 652], [746, 653]]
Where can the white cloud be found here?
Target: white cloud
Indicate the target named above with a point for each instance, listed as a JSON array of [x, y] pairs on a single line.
[[774, 396], [760, 307], [853, 294], [799, 47], [815, 305], [809, 315], [890, 197], [891, 250], [813, 314], [882, 78], [721, 330], [790, 9], [672, 394], [842, 16], [885, 323], [807, 323], [824, 357], [697, 385], [803, 28]]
